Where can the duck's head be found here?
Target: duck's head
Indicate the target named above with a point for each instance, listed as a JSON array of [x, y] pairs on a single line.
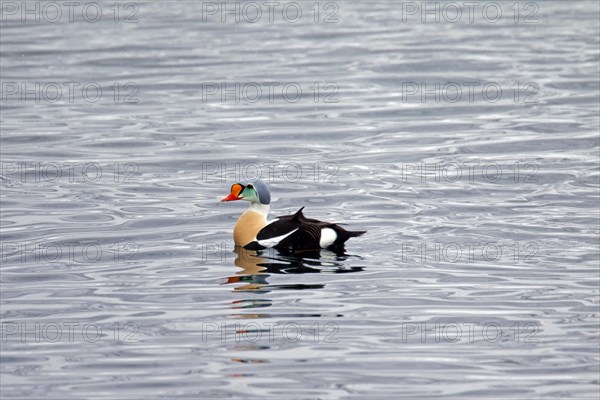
[[252, 191]]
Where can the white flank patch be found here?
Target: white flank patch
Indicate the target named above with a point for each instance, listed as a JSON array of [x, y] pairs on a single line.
[[274, 240], [328, 236]]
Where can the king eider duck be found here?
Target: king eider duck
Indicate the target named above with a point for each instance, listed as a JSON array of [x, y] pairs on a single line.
[[292, 233]]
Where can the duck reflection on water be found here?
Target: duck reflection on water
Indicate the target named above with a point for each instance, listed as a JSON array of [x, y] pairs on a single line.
[[257, 265]]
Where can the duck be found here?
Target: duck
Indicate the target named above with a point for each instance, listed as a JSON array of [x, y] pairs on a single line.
[[293, 233]]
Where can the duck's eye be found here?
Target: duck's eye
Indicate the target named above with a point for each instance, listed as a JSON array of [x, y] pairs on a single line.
[[249, 186]]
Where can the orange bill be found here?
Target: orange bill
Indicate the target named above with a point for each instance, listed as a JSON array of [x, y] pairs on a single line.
[[236, 189]]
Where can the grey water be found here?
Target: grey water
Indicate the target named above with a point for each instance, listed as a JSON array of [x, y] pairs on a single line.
[[465, 144]]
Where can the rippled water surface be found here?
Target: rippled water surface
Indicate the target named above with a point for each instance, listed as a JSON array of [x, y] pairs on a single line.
[[478, 277]]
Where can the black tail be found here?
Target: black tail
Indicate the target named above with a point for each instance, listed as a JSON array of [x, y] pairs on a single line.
[[343, 235], [355, 233]]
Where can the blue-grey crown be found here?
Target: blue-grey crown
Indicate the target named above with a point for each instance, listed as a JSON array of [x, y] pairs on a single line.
[[264, 196]]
